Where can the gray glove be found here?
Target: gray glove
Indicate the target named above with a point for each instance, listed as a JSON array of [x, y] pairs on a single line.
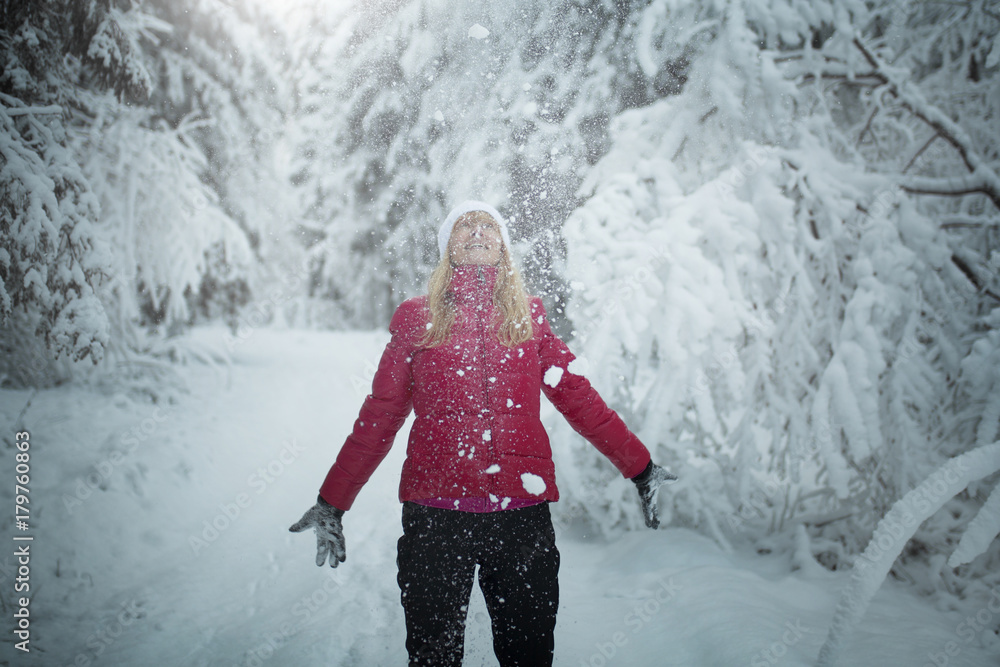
[[325, 518], [648, 483]]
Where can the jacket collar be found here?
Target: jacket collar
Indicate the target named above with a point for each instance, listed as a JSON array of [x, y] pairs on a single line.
[[472, 282]]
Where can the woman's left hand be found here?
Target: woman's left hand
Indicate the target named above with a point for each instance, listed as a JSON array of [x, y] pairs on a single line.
[[648, 482]]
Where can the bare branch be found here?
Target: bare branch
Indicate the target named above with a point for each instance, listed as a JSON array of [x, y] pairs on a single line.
[[867, 128], [952, 224], [982, 177], [978, 182], [970, 222], [943, 125], [788, 57], [947, 2], [870, 79], [969, 273], [916, 156]]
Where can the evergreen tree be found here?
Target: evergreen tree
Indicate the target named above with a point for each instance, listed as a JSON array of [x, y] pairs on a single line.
[[795, 254], [772, 226], [50, 256], [188, 180], [140, 179]]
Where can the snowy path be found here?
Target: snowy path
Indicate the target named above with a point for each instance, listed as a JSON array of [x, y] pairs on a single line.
[[246, 450]]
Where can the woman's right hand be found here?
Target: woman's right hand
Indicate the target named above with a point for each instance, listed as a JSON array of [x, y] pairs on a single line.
[[326, 519]]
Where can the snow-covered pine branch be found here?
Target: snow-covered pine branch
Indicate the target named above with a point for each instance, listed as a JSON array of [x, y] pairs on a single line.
[[23, 111], [162, 217], [895, 530], [181, 205], [112, 52], [50, 257]]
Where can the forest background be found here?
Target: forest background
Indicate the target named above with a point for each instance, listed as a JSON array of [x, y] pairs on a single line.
[[770, 227]]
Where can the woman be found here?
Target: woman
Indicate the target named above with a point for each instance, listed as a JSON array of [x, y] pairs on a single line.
[[471, 359]]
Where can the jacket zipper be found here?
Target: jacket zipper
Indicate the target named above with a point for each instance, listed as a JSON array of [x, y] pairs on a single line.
[[486, 382]]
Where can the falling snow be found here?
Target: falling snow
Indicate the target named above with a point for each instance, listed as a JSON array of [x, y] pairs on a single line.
[[680, 195], [478, 32]]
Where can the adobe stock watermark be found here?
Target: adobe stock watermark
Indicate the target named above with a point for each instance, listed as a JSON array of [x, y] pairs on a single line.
[[36, 365], [103, 470], [108, 633], [887, 198], [302, 609], [362, 384], [259, 481], [592, 493], [262, 310], [754, 328], [635, 620], [877, 211], [967, 630], [597, 316], [933, 315], [912, 513], [738, 175], [759, 500], [195, 205], [778, 649]]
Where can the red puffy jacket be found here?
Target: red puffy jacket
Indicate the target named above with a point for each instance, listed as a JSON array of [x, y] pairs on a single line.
[[477, 431]]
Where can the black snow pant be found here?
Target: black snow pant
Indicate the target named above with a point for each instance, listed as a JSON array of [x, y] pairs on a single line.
[[518, 574]]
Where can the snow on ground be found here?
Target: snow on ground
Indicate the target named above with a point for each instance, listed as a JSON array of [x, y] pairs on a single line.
[[161, 539]]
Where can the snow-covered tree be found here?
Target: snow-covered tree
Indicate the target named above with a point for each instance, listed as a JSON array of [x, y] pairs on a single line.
[[50, 256], [771, 227], [188, 182], [142, 180], [785, 273], [406, 109]]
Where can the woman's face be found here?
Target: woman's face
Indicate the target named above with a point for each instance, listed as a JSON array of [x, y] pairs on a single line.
[[475, 239]]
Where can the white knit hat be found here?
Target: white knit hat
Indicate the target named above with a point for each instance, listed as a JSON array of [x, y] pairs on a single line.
[[444, 233]]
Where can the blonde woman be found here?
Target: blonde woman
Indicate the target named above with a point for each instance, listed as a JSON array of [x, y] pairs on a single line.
[[471, 359]]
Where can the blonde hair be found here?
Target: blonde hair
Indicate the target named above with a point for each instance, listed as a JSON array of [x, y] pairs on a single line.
[[510, 302]]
